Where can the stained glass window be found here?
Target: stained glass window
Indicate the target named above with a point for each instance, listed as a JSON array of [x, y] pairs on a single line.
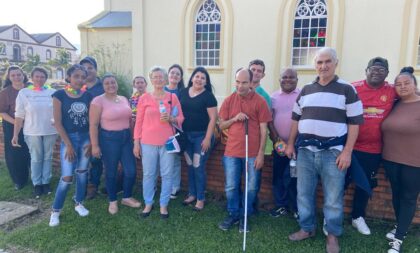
[[309, 31], [207, 34]]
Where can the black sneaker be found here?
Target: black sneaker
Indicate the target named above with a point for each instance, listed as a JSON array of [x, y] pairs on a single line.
[[46, 189], [228, 222], [296, 215], [242, 226], [278, 211], [37, 191]]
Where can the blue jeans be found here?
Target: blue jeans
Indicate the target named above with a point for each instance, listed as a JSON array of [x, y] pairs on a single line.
[[176, 174], [152, 156], [80, 165], [116, 147], [234, 166], [95, 171], [196, 161], [310, 165], [41, 150]]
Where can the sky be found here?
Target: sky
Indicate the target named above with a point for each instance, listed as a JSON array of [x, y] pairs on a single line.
[[50, 16]]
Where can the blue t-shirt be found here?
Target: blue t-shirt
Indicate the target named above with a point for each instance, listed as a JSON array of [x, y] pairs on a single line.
[[74, 111], [174, 91], [96, 89]]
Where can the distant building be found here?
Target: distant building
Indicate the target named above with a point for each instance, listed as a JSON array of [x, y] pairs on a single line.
[[16, 45]]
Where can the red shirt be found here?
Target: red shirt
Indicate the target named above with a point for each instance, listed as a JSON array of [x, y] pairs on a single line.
[[377, 104], [255, 107]]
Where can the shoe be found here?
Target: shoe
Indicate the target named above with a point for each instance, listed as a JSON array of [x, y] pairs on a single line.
[[54, 219], [130, 202], [81, 210], [228, 222], [324, 227], [296, 215], [91, 191], [332, 244], [46, 189], [113, 207], [391, 234], [278, 211], [174, 195], [37, 191], [146, 214], [361, 226], [199, 206], [395, 246], [188, 201], [242, 226], [164, 216], [301, 235], [18, 187]]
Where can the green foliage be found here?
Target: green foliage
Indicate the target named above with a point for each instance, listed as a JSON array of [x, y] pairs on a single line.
[[31, 62], [62, 59]]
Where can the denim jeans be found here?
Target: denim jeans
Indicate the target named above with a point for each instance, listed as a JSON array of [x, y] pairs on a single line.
[[196, 161], [310, 165], [281, 180], [234, 167], [176, 174], [116, 147], [41, 150], [79, 165], [95, 171], [152, 156]]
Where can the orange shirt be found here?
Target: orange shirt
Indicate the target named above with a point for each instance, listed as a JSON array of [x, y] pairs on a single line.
[[255, 107]]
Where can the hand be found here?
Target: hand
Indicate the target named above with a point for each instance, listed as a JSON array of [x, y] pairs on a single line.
[[137, 150], [164, 116], [70, 154], [259, 161], [290, 151], [343, 160], [15, 142], [205, 145], [96, 151], [240, 117], [88, 150]]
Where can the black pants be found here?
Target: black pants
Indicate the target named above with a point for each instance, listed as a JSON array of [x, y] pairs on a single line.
[[370, 164], [405, 187], [284, 187], [17, 159]]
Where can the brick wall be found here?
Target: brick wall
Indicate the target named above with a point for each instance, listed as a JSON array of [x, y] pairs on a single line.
[[380, 206]]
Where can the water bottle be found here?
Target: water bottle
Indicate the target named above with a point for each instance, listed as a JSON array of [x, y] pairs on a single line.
[[162, 108], [293, 168]]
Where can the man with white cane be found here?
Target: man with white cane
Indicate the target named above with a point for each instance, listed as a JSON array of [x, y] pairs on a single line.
[[243, 104]]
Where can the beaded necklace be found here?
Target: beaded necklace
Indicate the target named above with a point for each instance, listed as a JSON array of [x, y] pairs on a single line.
[[134, 100], [35, 88], [70, 90]]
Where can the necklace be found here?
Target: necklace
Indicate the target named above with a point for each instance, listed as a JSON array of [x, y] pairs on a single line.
[[71, 90], [35, 88]]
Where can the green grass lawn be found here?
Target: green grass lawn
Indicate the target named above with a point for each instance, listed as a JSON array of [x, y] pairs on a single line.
[[184, 231]]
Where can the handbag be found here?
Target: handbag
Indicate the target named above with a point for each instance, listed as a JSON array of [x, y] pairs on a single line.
[[178, 141]]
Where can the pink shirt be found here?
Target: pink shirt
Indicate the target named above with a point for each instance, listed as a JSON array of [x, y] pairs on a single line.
[[149, 129], [115, 116], [282, 106]]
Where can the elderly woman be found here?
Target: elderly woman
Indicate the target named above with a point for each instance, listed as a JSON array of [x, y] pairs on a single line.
[[34, 111], [156, 113], [17, 158], [200, 109], [401, 136], [109, 127]]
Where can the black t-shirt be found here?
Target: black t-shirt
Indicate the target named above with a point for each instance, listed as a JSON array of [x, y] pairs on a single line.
[[97, 89], [195, 110], [74, 111]]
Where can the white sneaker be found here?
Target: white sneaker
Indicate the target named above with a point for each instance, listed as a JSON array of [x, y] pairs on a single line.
[[391, 234], [54, 219], [361, 226], [395, 246], [324, 229], [81, 210]]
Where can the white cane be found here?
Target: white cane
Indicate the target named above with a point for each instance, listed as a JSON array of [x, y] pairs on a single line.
[[246, 185]]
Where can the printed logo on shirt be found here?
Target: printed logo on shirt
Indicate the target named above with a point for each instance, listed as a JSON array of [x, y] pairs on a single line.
[[373, 112], [78, 113], [384, 98]]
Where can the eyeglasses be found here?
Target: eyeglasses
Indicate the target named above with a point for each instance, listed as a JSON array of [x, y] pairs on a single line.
[[377, 70], [158, 78]]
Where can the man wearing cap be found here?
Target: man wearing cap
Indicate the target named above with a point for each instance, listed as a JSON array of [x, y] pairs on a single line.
[[284, 187], [377, 97], [94, 87]]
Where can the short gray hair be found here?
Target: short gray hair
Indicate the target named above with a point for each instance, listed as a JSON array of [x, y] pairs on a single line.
[[158, 69], [326, 50]]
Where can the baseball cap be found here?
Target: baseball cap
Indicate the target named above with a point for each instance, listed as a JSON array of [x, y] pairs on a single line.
[[90, 60], [378, 61]]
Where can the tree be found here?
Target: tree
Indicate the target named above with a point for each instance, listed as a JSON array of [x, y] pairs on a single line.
[[31, 62], [62, 59]]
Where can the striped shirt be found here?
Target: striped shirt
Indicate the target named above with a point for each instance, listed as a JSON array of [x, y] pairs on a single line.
[[324, 112]]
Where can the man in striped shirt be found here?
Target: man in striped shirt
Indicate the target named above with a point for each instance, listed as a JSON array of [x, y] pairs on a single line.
[[326, 119]]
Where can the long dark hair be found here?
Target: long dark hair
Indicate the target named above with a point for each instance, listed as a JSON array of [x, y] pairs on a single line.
[[7, 81], [181, 84], [208, 85]]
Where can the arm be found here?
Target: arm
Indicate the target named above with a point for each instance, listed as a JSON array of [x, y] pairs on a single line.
[[259, 161], [344, 159], [224, 124], [138, 127], [272, 132], [290, 149], [6, 117], [16, 129], [70, 154], [212, 112], [94, 119]]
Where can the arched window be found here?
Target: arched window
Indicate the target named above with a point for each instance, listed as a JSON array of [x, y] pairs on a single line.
[[15, 34], [309, 31], [69, 54], [58, 41], [59, 73], [30, 51], [2, 49], [48, 54], [16, 53], [207, 34]]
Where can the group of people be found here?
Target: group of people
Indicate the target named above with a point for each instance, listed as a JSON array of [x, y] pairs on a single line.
[[329, 129]]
